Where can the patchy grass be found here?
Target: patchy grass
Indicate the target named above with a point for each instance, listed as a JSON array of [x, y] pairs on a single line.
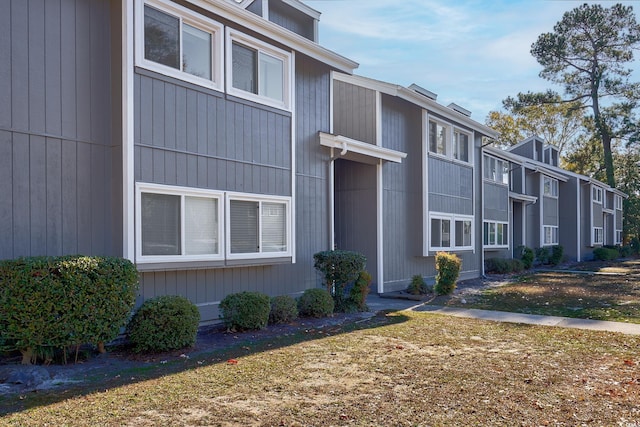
[[426, 370], [597, 290]]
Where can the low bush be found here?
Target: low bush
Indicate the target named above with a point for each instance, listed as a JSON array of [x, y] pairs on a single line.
[[61, 302], [626, 251], [448, 269], [605, 254], [542, 255], [164, 323], [635, 246], [315, 302], [340, 269], [557, 253], [357, 299], [417, 286], [245, 310], [284, 309], [503, 265], [527, 257]]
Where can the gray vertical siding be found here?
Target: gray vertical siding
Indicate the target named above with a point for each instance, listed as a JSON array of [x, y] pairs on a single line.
[[194, 137], [354, 112], [533, 221], [567, 217], [57, 167], [550, 211], [597, 214], [291, 19], [496, 202], [450, 187]]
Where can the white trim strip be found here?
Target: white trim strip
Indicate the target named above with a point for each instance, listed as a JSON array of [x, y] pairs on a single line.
[[346, 145], [128, 173]]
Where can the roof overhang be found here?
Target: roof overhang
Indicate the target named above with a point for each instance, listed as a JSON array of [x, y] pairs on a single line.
[[276, 32], [522, 197], [351, 146], [537, 168]]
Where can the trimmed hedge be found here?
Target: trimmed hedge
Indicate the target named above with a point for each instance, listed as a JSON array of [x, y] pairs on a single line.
[[340, 269], [448, 267], [245, 310], [503, 265], [605, 254], [315, 302], [164, 323], [284, 309], [51, 303]]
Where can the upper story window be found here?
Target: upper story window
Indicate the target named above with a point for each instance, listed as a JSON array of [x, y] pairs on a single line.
[[177, 42], [496, 170], [617, 200], [597, 194], [461, 146], [438, 138], [447, 141], [258, 71], [550, 187]]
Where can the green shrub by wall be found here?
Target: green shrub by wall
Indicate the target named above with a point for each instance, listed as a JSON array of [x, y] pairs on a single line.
[[284, 309], [340, 269], [245, 310], [448, 268], [50, 303], [605, 254], [315, 302], [557, 253], [503, 266], [417, 286], [527, 257], [163, 323]]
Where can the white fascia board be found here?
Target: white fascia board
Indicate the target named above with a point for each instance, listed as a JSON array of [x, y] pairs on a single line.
[[277, 33], [417, 99], [545, 171], [523, 197], [504, 155], [346, 145]]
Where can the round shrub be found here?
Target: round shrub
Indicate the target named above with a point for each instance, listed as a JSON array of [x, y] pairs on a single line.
[[245, 310], [316, 303], [448, 267], [417, 286], [527, 257], [163, 323], [284, 309]]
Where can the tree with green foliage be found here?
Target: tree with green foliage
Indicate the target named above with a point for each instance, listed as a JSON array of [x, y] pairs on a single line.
[[586, 54], [559, 124]]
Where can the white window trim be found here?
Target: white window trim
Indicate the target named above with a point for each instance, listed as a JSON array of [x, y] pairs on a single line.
[[452, 218], [617, 200], [260, 198], [594, 233], [182, 192], [491, 180], [618, 237], [194, 19], [544, 235], [470, 148], [286, 57], [598, 191], [496, 246], [552, 181]]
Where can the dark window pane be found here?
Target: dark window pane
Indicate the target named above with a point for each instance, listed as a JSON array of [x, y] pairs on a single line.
[[160, 224], [244, 226], [196, 52], [161, 37], [245, 68]]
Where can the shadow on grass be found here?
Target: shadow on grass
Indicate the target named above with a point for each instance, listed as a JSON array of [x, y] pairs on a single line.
[[120, 368]]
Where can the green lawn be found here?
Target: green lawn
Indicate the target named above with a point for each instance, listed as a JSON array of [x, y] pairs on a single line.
[[592, 290]]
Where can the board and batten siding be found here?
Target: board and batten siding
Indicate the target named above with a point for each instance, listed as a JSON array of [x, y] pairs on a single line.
[[496, 202], [550, 211], [195, 137], [450, 187], [567, 217], [57, 160], [354, 112]]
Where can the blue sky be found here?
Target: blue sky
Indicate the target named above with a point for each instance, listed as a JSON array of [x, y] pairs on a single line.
[[471, 52]]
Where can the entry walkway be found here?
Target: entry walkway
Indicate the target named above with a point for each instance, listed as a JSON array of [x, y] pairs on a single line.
[[377, 303]]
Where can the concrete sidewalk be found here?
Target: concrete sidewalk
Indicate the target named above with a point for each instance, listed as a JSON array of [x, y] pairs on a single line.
[[378, 303]]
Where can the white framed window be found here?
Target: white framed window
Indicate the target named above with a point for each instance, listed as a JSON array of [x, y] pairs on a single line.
[[550, 187], [462, 150], [258, 226], [178, 224], [597, 194], [258, 71], [597, 235], [496, 170], [496, 234], [439, 135], [617, 200], [550, 235], [618, 237], [450, 232], [177, 42]]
